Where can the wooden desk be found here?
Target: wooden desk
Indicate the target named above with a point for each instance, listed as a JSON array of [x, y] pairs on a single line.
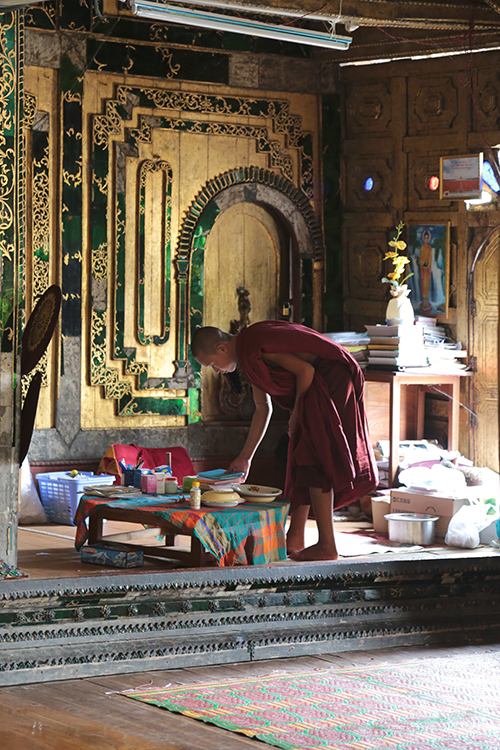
[[449, 383]]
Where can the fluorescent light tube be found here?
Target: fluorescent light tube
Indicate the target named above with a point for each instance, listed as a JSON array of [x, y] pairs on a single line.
[[219, 22]]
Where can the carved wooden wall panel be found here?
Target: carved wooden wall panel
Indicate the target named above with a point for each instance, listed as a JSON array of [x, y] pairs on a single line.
[[433, 115], [432, 105], [12, 278], [150, 153], [368, 109], [486, 85], [43, 261], [359, 168], [421, 167]]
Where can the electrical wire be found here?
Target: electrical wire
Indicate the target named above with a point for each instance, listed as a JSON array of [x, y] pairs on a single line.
[[443, 393]]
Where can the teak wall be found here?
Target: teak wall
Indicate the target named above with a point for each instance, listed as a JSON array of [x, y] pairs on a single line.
[[398, 119]]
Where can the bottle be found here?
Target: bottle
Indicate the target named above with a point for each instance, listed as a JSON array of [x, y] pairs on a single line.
[[195, 496]]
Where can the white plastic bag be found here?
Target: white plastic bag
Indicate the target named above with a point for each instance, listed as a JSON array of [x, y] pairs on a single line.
[[465, 525], [30, 507]]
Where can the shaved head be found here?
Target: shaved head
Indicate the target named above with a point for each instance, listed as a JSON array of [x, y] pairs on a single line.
[[205, 340]]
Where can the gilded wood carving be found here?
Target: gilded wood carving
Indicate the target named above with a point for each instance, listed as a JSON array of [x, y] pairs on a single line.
[[144, 372]]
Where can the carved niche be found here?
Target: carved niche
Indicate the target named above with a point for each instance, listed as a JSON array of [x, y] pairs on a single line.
[[487, 99], [358, 168], [367, 109], [365, 251], [421, 167], [432, 105]]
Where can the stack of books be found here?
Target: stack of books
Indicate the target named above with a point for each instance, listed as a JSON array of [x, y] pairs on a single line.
[[446, 357], [432, 331], [393, 347], [218, 478], [443, 354], [355, 343]]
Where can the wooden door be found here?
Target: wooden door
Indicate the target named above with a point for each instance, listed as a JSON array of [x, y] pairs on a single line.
[[243, 251], [483, 432]]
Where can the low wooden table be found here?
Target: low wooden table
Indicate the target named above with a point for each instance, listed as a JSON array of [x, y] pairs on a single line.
[[450, 384], [250, 533], [195, 557]]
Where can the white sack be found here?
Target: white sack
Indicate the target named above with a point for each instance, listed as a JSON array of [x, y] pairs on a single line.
[[30, 507]]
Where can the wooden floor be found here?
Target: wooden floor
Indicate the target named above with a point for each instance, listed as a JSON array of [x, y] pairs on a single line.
[[48, 551], [89, 714]]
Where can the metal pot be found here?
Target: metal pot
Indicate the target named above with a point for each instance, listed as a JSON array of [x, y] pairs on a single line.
[[412, 528]]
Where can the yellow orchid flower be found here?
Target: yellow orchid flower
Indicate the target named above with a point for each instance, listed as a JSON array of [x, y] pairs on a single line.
[[398, 261]]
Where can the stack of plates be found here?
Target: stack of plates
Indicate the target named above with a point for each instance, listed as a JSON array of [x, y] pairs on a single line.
[[221, 498]]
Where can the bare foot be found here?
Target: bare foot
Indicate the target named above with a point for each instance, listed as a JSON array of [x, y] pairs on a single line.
[[316, 552], [294, 544]]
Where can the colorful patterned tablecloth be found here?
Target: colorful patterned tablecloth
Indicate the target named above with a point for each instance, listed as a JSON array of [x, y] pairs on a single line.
[[248, 534]]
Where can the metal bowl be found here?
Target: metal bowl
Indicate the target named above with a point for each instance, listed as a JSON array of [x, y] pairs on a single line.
[[412, 528]]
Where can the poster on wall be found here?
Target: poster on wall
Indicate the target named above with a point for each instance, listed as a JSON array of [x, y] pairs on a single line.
[[429, 254], [460, 176]]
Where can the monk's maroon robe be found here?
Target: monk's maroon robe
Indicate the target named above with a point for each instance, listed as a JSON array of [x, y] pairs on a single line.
[[330, 447]]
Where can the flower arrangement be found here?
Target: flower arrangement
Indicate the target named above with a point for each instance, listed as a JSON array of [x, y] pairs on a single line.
[[399, 262]]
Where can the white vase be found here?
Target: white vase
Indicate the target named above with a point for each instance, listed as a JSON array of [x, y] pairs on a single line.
[[399, 308]]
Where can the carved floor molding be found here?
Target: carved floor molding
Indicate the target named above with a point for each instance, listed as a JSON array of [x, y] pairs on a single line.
[[70, 628]]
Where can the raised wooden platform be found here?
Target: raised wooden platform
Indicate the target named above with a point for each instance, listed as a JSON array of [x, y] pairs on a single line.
[[117, 622]]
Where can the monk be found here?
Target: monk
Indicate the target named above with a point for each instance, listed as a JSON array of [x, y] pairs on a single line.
[[330, 458]]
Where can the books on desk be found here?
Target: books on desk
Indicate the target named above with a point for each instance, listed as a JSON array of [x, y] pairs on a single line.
[[217, 478], [446, 357], [402, 330], [393, 347], [355, 343]]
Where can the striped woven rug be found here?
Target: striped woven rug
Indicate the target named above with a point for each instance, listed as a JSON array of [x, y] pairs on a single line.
[[448, 703]]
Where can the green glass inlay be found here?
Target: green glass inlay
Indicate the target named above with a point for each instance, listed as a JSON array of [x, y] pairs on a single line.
[[200, 234], [194, 414], [72, 179], [12, 183], [150, 405]]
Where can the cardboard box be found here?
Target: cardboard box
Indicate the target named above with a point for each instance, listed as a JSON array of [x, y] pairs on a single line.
[[117, 556], [414, 501], [380, 507]]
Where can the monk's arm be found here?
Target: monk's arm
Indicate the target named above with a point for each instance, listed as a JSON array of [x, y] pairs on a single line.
[[258, 427], [304, 376]]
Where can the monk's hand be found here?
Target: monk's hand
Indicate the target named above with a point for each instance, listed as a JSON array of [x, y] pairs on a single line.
[[241, 465]]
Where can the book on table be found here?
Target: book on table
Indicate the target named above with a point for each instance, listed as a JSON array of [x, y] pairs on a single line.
[[403, 331], [385, 340], [399, 361], [383, 347]]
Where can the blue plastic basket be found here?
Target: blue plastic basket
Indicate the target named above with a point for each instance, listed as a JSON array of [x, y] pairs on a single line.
[[60, 493]]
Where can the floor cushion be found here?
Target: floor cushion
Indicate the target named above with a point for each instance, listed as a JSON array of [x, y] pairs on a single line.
[[181, 462]]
